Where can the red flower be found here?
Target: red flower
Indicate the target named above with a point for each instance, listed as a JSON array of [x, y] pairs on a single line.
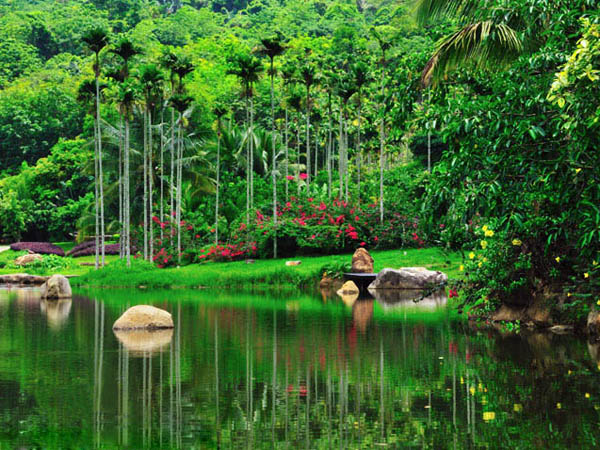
[[197, 236], [303, 176], [375, 238], [322, 206], [290, 177], [452, 293], [362, 244]]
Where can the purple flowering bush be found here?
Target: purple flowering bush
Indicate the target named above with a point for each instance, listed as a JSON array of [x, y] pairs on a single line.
[[43, 248]]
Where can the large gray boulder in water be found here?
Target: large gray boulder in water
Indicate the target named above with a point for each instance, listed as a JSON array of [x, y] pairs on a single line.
[[56, 287], [144, 317], [408, 278]]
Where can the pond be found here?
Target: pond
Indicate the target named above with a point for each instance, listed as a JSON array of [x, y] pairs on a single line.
[[285, 370]]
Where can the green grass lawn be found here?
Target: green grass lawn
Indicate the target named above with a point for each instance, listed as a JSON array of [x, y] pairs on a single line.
[[263, 272], [238, 274]]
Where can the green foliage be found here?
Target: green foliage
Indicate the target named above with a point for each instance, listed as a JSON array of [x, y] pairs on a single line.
[[13, 218]]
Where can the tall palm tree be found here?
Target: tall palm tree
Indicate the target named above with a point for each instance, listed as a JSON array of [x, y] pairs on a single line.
[[288, 74], [248, 69], [360, 75], [127, 96], [181, 103], [125, 50], [328, 82], [151, 79], [345, 89], [219, 112], [308, 73], [482, 40], [273, 47], [384, 46], [96, 39], [294, 101]]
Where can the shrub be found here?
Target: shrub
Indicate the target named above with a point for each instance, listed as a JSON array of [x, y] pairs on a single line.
[[110, 249], [81, 246], [43, 248]]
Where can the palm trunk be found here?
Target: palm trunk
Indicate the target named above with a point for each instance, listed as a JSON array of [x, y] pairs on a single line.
[[381, 142], [307, 139], [287, 157], [179, 180], [358, 150], [121, 185], [100, 173], [329, 148], [247, 162], [150, 187], [346, 146], [96, 197], [274, 167], [298, 153], [172, 179], [145, 198], [162, 173], [341, 154], [316, 160], [218, 183], [126, 196], [251, 153]]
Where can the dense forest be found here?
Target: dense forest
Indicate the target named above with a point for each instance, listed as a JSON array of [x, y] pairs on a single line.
[[195, 130]]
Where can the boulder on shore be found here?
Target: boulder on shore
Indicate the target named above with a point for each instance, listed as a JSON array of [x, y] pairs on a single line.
[[28, 259], [362, 261], [293, 263], [57, 287], [593, 322], [144, 317], [408, 278], [20, 279]]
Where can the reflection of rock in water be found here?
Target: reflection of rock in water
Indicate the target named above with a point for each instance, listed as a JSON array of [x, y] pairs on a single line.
[[362, 312], [142, 343], [349, 299], [56, 311], [406, 298]]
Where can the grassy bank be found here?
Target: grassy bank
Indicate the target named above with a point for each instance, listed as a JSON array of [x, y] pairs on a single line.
[[261, 272]]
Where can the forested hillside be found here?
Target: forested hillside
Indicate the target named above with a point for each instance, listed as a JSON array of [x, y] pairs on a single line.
[[198, 130]]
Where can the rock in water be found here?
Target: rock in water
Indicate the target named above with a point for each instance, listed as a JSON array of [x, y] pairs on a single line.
[[28, 259], [348, 288], [56, 287], [362, 261], [144, 317], [408, 278]]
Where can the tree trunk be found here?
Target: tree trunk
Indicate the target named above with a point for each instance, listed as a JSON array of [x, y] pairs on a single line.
[[150, 187], [126, 196], [96, 197], [172, 179], [381, 142], [341, 154], [121, 246], [307, 139], [218, 183], [247, 162], [100, 172], [329, 148], [287, 157], [251, 153], [179, 179], [162, 173], [145, 198], [358, 150], [274, 165]]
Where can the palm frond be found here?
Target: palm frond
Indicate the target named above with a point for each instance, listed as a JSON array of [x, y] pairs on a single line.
[[428, 10], [480, 45]]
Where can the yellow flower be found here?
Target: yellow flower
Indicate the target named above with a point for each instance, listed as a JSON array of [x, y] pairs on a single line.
[[558, 406], [480, 264], [557, 259], [483, 244], [516, 242], [578, 170], [484, 228], [472, 390], [587, 395], [594, 263], [489, 416], [586, 275], [598, 302], [461, 268], [485, 259], [489, 233], [569, 372], [569, 294], [471, 255], [517, 407]]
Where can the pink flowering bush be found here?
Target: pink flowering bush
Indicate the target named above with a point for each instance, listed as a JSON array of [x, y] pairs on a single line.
[[311, 226]]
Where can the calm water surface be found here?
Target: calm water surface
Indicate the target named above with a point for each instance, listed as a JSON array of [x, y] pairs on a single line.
[[285, 370]]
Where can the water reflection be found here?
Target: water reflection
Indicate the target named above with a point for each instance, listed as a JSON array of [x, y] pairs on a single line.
[[144, 343], [253, 374], [56, 312], [397, 299]]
